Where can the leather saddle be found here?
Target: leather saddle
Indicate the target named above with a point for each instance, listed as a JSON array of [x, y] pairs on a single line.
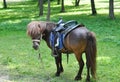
[[61, 30], [63, 27]]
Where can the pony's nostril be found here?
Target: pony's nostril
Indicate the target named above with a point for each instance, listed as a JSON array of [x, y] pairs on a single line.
[[35, 47]]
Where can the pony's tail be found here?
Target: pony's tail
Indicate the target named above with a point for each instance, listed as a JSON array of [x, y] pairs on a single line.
[[92, 50]]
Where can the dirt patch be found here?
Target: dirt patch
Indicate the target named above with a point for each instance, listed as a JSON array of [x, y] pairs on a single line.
[[4, 77]]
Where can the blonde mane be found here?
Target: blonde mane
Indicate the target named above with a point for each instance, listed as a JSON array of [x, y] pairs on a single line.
[[37, 27]]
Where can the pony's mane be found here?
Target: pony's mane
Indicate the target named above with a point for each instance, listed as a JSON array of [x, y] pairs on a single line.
[[37, 27]]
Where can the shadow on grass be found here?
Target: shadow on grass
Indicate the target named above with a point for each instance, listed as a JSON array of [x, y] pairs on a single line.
[[18, 11], [39, 75]]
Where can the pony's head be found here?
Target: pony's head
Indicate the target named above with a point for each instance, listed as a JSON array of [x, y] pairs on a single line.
[[35, 30]]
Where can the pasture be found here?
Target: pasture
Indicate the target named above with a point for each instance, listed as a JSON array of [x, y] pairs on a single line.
[[20, 63]]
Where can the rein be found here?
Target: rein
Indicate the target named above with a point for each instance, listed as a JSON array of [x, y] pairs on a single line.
[[42, 64]]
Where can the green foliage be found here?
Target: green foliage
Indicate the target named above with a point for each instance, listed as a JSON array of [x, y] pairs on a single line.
[[20, 63]]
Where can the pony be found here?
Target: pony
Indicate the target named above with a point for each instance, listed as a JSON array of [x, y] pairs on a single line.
[[78, 41]]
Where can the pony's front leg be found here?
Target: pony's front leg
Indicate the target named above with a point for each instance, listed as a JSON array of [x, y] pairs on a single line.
[[58, 61], [57, 65]]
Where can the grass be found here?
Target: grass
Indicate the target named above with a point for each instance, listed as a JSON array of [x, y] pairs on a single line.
[[20, 63]]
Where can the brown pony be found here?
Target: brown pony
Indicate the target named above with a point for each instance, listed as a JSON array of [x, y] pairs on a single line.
[[78, 41]]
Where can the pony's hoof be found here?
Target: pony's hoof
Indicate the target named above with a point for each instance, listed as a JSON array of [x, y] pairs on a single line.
[[57, 74], [88, 80], [62, 70], [78, 78]]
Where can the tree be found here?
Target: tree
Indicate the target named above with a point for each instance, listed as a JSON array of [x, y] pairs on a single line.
[[48, 13], [62, 6], [77, 2], [93, 7], [58, 2], [4, 4], [40, 4], [111, 9]]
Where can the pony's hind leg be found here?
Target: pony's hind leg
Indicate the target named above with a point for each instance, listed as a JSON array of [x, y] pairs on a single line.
[[81, 65]]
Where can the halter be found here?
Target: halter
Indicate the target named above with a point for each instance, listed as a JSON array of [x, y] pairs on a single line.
[[37, 40]]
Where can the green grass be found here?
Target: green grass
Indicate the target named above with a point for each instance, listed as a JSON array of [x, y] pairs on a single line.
[[20, 63]]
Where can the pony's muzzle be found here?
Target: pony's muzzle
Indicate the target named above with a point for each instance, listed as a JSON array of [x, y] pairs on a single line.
[[35, 45]]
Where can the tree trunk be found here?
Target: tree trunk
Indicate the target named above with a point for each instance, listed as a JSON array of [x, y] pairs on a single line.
[[4, 4], [93, 7], [77, 2], [48, 13], [111, 9], [58, 2], [40, 4], [62, 6]]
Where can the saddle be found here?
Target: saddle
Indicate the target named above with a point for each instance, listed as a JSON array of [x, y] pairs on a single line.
[[63, 27], [61, 30]]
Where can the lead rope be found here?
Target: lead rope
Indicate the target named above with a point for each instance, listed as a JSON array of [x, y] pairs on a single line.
[[43, 67]]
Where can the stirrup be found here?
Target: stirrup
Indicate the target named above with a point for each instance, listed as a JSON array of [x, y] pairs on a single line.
[[54, 53]]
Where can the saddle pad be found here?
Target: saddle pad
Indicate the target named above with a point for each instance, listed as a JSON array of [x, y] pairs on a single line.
[[52, 39]]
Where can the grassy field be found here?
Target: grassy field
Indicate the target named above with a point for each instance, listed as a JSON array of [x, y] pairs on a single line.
[[20, 63]]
